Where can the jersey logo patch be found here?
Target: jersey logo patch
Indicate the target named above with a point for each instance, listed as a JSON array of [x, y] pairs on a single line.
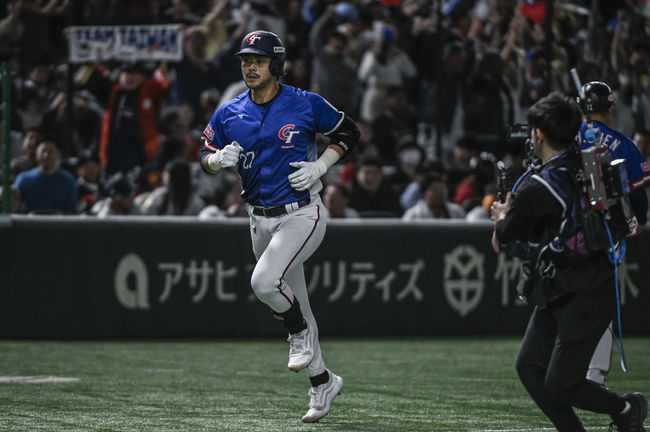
[[644, 167], [209, 133], [286, 133]]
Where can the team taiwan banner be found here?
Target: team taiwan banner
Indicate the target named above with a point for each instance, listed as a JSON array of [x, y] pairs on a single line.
[[142, 42]]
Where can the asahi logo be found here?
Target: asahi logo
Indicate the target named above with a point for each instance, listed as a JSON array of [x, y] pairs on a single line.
[[131, 282], [463, 279]]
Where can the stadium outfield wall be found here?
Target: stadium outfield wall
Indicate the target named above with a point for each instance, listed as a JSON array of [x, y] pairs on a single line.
[[140, 277]]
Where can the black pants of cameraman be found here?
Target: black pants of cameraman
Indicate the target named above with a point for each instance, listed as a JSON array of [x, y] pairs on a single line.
[[558, 345]]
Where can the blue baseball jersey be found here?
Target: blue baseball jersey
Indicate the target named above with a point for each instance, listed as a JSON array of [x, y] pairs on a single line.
[[620, 147], [271, 138]]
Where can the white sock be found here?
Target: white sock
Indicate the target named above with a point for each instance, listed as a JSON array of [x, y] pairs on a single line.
[[628, 405]]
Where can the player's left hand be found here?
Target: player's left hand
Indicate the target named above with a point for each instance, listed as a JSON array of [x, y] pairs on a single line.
[[307, 174]]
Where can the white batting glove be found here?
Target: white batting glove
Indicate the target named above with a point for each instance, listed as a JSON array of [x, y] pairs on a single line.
[[226, 157], [308, 173]]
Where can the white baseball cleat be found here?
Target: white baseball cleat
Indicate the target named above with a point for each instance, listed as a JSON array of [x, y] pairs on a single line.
[[301, 349], [321, 397]]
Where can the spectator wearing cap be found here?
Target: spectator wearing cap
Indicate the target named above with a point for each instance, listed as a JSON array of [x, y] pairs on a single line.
[[383, 67], [120, 198], [434, 203], [48, 189], [129, 135]]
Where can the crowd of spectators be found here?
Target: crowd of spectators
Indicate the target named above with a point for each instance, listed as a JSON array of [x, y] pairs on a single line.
[[433, 84]]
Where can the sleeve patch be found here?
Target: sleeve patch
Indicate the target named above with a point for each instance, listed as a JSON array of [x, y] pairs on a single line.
[[209, 133]]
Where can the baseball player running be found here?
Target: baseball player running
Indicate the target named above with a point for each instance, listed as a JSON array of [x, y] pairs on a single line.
[[268, 132], [598, 104]]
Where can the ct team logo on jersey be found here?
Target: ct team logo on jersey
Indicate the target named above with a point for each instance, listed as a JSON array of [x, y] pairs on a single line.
[[286, 134], [252, 38]]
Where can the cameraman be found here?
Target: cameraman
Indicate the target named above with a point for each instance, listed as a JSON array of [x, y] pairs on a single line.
[[572, 287]]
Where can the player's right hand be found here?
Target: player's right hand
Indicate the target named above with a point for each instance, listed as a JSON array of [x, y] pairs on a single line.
[[226, 157]]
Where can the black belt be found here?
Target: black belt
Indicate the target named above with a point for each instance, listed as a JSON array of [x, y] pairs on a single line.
[[279, 210]]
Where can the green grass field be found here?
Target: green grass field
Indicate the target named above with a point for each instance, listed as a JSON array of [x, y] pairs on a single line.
[[243, 385]]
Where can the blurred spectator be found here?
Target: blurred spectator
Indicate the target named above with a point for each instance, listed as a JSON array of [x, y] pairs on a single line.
[[15, 205], [129, 132], [488, 104], [365, 149], [441, 103], [409, 158], [233, 204], [466, 149], [333, 74], [27, 160], [297, 30], [48, 189], [482, 211], [120, 198], [226, 62], [42, 22], [194, 73], [176, 196], [86, 125], [370, 195], [171, 148], [180, 12], [397, 120], [12, 30], [228, 202], [411, 194], [383, 67], [217, 27], [33, 94], [89, 187], [212, 212], [336, 198], [534, 82], [472, 189], [434, 203], [642, 140], [631, 104]]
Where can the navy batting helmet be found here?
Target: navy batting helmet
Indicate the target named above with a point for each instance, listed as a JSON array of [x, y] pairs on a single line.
[[265, 43], [598, 97]]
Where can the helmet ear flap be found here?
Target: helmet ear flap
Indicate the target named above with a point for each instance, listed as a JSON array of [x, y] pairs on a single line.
[[276, 67]]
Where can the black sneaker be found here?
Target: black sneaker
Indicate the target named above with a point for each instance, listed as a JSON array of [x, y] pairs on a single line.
[[632, 421]]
